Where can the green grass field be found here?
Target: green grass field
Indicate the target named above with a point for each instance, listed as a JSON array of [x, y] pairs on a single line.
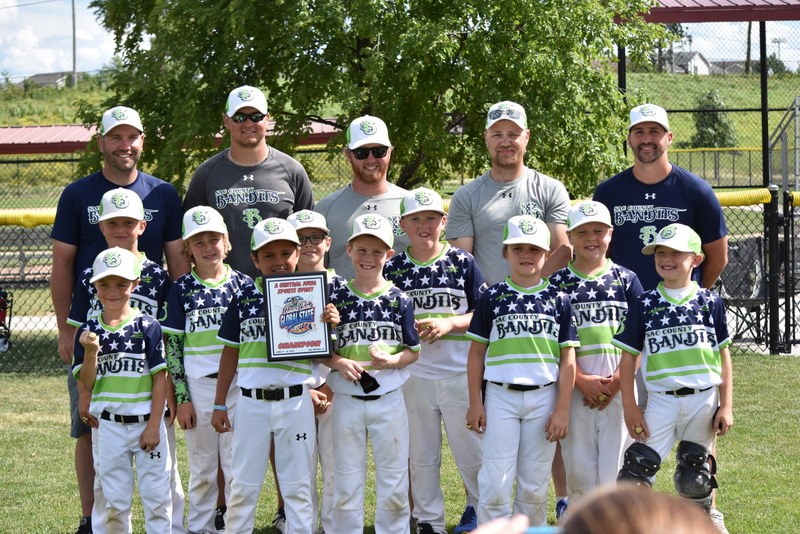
[[758, 460]]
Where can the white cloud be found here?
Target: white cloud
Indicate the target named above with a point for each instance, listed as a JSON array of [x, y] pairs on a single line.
[[728, 40], [37, 38]]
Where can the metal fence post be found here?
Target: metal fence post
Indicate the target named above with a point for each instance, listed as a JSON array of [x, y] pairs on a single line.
[[773, 270]]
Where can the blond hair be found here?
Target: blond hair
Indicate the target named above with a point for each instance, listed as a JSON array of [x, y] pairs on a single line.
[[187, 255]]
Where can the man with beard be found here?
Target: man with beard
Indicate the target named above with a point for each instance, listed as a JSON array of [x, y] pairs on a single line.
[[250, 181], [654, 193], [369, 153], [77, 240]]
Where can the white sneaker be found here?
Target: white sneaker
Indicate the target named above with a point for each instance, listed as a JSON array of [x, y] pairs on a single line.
[[718, 519]]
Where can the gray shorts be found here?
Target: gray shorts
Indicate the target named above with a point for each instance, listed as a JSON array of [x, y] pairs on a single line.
[[78, 428]]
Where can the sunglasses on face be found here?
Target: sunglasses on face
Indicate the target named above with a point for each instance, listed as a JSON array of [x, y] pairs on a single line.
[[315, 239], [510, 113], [377, 152], [241, 117]]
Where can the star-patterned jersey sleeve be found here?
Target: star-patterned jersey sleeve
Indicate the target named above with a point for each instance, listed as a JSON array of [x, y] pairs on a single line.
[[525, 328], [130, 353], [679, 341]]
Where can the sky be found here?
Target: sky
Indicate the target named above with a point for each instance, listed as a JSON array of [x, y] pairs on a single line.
[[36, 37]]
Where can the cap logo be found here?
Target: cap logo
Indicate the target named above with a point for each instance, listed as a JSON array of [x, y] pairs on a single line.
[[668, 232], [244, 95], [112, 259], [527, 227], [423, 198], [119, 114], [120, 200], [368, 127], [588, 210], [273, 227], [371, 222], [304, 217], [200, 217], [647, 111]]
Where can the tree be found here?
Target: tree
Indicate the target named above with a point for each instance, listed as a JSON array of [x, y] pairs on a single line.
[[713, 128], [429, 68]]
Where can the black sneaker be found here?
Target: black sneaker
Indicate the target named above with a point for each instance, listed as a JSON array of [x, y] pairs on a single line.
[[425, 528], [85, 526], [219, 517], [279, 520]]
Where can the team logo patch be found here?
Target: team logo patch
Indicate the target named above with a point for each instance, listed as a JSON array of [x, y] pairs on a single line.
[[119, 114], [297, 315], [120, 200], [112, 259], [273, 227], [667, 232], [647, 111], [531, 208], [244, 95], [527, 227], [371, 222], [423, 198], [588, 209], [200, 217], [368, 127], [305, 217]]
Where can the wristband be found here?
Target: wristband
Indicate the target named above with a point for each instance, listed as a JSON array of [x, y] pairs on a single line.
[[221, 407]]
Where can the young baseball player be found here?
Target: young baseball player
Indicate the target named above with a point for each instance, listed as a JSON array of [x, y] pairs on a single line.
[[523, 346], [375, 342], [275, 399], [599, 291], [315, 241], [121, 220], [191, 317], [444, 283], [119, 357], [681, 333]]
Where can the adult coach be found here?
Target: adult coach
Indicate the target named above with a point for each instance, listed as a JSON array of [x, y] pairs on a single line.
[[76, 240], [654, 193], [250, 181], [369, 153], [480, 209]]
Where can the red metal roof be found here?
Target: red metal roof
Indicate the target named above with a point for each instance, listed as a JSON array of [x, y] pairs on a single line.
[[63, 139], [724, 10]]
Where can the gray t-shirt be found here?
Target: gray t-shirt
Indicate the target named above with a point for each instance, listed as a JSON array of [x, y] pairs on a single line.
[[276, 187], [481, 209], [340, 209]]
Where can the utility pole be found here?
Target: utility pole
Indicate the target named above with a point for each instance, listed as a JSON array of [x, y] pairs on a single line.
[[778, 41], [74, 55]]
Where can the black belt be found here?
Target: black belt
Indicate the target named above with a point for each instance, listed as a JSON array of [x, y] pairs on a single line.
[[273, 394], [521, 387], [367, 397], [686, 391], [124, 419], [212, 375]]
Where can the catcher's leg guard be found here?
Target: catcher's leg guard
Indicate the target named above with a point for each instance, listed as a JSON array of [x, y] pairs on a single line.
[[640, 465], [694, 473]]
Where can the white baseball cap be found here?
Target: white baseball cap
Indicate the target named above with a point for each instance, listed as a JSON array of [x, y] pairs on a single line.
[[272, 229], [374, 225], [367, 130], [527, 229], [246, 96], [116, 262], [677, 237], [308, 219], [120, 202], [117, 117], [649, 113], [586, 212], [202, 219], [421, 199], [509, 111]]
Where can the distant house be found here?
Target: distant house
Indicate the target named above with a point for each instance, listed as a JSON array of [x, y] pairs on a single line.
[[727, 67], [58, 80], [690, 63]]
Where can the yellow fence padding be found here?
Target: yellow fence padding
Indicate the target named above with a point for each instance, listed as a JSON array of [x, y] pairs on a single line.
[[28, 217]]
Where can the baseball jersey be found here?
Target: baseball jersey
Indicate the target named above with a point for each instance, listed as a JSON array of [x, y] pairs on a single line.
[[77, 214], [276, 187], [147, 296], [130, 353], [446, 286], [526, 328], [194, 310], [679, 340], [341, 208], [639, 211], [385, 318], [244, 327], [599, 303], [481, 209]]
